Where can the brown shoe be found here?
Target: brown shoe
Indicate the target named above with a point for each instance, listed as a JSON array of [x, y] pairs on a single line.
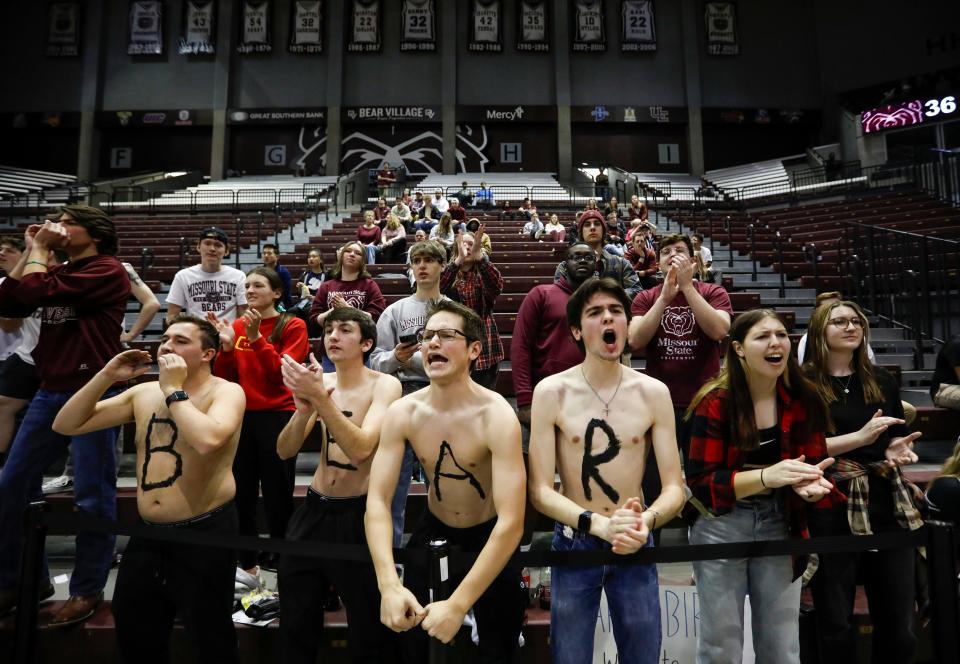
[[76, 609]]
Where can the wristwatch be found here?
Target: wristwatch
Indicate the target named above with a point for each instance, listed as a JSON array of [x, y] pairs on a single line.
[[179, 395], [583, 523]]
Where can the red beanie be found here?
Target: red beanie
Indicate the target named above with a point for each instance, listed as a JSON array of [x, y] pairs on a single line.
[[590, 214]]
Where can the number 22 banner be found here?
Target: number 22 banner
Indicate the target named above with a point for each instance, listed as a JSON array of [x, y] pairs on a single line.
[[638, 32]]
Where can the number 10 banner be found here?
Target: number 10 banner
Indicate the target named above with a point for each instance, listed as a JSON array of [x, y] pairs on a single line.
[[638, 32], [588, 30]]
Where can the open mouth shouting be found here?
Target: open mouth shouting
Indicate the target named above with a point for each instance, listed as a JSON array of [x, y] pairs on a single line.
[[776, 359], [436, 360], [609, 338]]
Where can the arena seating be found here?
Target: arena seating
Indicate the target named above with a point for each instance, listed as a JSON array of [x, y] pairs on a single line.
[[248, 192], [17, 185], [513, 187]]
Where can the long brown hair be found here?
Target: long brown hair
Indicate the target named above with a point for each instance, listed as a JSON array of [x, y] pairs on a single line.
[[276, 283], [733, 378], [951, 466], [338, 268], [818, 353]]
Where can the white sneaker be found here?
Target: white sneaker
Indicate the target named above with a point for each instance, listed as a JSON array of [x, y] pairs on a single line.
[[244, 582], [57, 485]]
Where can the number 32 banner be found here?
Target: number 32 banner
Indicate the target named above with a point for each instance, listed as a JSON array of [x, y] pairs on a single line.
[[638, 32], [419, 26]]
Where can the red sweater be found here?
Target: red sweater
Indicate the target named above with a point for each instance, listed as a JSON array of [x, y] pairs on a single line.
[[256, 366], [542, 344], [83, 304]]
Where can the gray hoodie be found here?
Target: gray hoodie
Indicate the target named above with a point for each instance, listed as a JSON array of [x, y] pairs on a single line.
[[406, 316]]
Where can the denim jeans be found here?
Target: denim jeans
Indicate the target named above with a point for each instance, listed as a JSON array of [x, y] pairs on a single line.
[[633, 597], [425, 225], [371, 250], [398, 507], [723, 584], [34, 448]]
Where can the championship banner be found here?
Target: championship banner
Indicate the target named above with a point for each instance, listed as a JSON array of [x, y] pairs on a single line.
[[306, 26], [199, 27], [588, 32], [638, 31], [533, 24], [365, 26], [146, 28], [63, 29], [721, 20], [418, 30], [255, 28], [486, 26]]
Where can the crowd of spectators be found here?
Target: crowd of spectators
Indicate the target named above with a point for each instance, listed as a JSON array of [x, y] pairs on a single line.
[[771, 448]]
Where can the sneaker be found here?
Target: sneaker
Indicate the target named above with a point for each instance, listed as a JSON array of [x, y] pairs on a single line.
[[57, 485], [245, 582]]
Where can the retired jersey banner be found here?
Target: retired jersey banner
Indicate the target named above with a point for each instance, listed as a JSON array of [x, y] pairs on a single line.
[[486, 26], [418, 30], [63, 29], [255, 27], [638, 33], [199, 27], [365, 26], [721, 20], [588, 32], [146, 28], [306, 26], [533, 25]]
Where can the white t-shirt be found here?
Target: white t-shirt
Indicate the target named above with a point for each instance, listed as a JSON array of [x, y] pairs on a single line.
[[706, 255], [8, 340], [198, 292]]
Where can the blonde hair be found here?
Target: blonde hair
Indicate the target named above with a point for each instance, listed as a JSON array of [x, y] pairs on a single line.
[[393, 223], [951, 467]]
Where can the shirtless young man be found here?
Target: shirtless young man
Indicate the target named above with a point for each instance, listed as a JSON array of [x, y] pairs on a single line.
[[349, 406], [188, 425], [468, 439], [596, 423]]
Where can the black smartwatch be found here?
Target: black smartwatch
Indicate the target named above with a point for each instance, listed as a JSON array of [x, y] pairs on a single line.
[[179, 395], [583, 523]]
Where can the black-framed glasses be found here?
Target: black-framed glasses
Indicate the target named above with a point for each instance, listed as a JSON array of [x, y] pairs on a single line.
[[582, 258], [445, 334], [844, 323]]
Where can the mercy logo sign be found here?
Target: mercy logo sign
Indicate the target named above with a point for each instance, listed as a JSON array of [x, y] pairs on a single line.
[[515, 114]]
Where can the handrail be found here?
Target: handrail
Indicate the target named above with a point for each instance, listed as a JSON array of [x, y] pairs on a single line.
[[147, 257], [239, 237], [813, 256], [752, 236], [778, 246], [184, 250]]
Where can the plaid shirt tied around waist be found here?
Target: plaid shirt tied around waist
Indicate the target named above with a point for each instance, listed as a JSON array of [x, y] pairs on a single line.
[[906, 495]]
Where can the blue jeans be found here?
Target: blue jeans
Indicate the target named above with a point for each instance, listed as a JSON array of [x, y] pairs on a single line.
[[34, 448], [633, 597], [371, 250], [723, 584], [425, 225], [398, 507]]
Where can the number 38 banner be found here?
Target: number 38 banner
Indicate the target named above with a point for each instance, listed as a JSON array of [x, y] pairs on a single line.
[[199, 27], [418, 31], [306, 35], [638, 29], [588, 30]]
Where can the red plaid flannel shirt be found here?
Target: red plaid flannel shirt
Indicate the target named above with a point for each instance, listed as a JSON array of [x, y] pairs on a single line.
[[715, 460], [478, 288]]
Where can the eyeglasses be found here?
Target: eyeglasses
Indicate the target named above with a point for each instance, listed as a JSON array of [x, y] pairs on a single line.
[[445, 334], [842, 323], [582, 258]]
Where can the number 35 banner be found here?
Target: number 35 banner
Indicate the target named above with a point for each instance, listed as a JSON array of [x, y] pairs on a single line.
[[199, 27], [306, 35], [533, 18], [419, 28], [255, 28], [638, 32], [486, 26], [588, 30]]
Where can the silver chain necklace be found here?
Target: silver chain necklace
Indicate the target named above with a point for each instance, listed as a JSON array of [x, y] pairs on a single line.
[[846, 386], [606, 404]]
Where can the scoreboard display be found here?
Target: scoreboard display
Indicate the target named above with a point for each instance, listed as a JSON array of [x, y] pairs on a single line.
[[909, 113]]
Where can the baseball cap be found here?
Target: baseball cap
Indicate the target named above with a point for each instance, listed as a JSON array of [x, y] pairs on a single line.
[[214, 233]]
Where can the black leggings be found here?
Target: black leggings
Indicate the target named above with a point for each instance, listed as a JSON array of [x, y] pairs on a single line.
[[159, 580], [304, 582], [257, 467]]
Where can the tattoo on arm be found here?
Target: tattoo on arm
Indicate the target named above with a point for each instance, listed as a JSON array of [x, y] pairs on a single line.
[[150, 450], [330, 440], [591, 462], [465, 474]]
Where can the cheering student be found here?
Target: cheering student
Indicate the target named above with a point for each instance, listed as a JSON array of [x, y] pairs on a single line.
[[756, 459], [251, 350], [870, 442]]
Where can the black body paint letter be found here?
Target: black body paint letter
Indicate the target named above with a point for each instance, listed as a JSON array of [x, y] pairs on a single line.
[[149, 451], [590, 469], [445, 449], [330, 439]]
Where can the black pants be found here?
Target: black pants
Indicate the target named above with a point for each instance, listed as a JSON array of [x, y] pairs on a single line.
[[304, 581], [159, 580], [499, 611], [257, 467], [396, 253], [486, 377], [888, 577]]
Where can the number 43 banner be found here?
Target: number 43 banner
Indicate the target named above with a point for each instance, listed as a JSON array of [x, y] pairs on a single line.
[[638, 28], [199, 27]]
